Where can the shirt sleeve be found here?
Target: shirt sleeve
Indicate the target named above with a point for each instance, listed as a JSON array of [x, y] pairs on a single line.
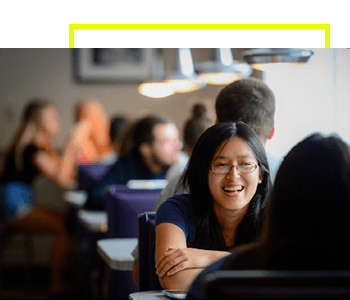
[[176, 211]]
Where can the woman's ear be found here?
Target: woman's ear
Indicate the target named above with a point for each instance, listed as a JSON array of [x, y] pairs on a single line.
[[261, 177]]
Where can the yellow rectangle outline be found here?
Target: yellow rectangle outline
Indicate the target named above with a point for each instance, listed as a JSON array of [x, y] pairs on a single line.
[[326, 28]]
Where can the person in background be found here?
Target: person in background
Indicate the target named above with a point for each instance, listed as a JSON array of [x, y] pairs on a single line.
[[119, 124], [198, 122], [307, 216], [228, 180], [252, 102], [153, 146], [30, 154], [92, 128]]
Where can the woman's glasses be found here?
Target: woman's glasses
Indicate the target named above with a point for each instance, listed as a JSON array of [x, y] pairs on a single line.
[[241, 168]]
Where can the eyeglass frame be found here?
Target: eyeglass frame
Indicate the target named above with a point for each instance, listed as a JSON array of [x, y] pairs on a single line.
[[237, 168]]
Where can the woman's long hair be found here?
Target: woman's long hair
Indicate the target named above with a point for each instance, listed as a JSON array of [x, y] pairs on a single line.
[[307, 225], [26, 133], [208, 231]]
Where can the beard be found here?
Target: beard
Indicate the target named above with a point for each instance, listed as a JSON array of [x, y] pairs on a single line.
[[159, 161]]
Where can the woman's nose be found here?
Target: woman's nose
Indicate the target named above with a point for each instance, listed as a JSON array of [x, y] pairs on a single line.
[[233, 173]]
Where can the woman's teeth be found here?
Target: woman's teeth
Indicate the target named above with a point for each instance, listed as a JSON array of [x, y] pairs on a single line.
[[233, 190]]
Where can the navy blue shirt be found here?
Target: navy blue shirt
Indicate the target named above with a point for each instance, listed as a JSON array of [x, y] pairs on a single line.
[[179, 210], [126, 168]]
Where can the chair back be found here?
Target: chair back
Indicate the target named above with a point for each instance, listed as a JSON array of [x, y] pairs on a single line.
[[123, 207], [91, 174], [147, 277], [278, 285]]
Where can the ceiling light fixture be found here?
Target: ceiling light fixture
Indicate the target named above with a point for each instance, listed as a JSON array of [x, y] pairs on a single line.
[[222, 68], [179, 70], [261, 57]]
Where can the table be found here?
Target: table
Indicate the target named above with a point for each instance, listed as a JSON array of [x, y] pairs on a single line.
[[148, 295], [95, 221], [117, 252], [75, 197]]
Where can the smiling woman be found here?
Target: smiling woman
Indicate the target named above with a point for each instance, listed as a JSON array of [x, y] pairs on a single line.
[[228, 179]]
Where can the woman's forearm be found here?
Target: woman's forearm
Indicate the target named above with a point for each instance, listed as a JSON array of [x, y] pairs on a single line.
[[180, 280]]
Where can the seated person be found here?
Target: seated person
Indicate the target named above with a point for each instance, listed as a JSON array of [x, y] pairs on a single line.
[[155, 146], [228, 180], [32, 154], [92, 129], [307, 217], [119, 124]]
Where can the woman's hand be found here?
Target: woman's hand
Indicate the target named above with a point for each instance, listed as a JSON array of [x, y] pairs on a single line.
[[175, 260]]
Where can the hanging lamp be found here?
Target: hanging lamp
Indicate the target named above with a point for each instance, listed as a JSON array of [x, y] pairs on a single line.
[[222, 68], [179, 70], [155, 87], [261, 57]]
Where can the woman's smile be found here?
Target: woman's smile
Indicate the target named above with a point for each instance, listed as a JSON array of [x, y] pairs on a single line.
[[233, 191]]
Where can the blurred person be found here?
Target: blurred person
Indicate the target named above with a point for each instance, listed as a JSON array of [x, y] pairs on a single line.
[[198, 122], [119, 123], [306, 225], [92, 128], [32, 153], [252, 102], [228, 181], [153, 146]]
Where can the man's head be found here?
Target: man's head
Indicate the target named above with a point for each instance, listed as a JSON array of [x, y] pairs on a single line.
[[250, 101], [157, 140]]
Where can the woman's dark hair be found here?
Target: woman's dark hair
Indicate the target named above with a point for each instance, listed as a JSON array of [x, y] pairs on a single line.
[[208, 231], [307, 223]]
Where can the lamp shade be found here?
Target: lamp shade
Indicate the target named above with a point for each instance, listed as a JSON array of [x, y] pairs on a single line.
[[260, 57], [179, 70], [155, 87], [222, 68]]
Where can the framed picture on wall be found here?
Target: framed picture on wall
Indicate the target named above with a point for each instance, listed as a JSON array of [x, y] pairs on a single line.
[[116, 65]]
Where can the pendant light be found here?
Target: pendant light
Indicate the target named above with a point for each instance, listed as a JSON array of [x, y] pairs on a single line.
[[222, 69], [179, 70], [261, 57], [155, 87]]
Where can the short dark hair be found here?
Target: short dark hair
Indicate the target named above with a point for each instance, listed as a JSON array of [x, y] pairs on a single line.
[[143, 130], [139, 132], [250, 101], [196, 178]]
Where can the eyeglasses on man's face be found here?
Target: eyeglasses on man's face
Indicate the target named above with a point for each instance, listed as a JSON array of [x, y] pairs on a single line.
[[241, 168]]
